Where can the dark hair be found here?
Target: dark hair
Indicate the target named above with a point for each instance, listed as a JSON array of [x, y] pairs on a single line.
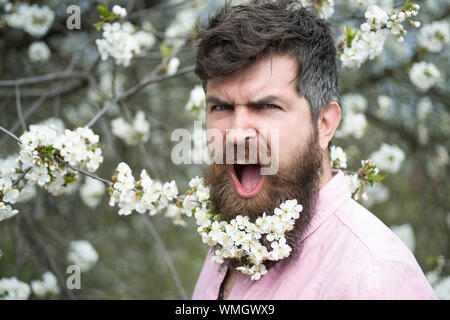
[[237, 36]]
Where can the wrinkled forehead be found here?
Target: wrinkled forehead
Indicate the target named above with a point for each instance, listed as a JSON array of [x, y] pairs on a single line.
[[274, 75]]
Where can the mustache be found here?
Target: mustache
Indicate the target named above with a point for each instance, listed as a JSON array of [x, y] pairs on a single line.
[[245, 153]]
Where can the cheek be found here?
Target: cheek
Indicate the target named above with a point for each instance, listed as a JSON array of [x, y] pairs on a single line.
[[292, 138]]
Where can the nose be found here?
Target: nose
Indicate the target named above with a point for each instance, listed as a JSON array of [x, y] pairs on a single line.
[[242, 126]]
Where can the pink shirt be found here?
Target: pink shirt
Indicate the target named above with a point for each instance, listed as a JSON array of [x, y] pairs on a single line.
[[348, 254]]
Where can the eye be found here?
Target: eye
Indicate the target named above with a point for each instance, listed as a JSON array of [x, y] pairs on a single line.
[[221, 108], [270, 106]]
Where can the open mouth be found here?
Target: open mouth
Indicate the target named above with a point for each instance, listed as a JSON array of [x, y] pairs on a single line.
[[247, 179]]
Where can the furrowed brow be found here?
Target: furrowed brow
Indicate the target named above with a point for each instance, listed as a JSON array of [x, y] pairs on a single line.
[[266, 100], [215, 100]]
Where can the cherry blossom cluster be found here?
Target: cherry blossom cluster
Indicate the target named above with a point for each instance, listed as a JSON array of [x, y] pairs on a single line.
[[434, 36], [48, 286], [45, 150], [357, 46], [249, 241], [39, 52], [132, 132], [120, 40], [21, 192], [14, 289], [145, 194], [338, 158], [82, 254], [33, 19], [364, 176], [325, 8], [388, 158], [354, 121], [424, 75], [196, 103]]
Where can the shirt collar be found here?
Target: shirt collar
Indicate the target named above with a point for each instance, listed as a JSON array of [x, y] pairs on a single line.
[[330, 198]]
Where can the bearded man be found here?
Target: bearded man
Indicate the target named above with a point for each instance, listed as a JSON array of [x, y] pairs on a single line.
[[270, 66]]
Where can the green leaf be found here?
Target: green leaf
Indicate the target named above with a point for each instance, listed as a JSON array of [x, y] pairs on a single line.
[[165, 50], [99, 25], [102, 10]]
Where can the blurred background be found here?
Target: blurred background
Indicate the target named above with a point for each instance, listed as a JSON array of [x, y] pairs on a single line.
[[50, 72]]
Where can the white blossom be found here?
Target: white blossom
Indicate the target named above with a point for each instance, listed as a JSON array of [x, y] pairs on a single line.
[[424, 75], [47, 286], [33, 19], [138, 130], [196, 103], [352, 182], [14, 289], [39, 52], [118, 10], [91, 192], [172, 66], [122, 43], [367, 42], [353, 124], [388, 158], [385, 104], [82, 254], [424, 108], [434, 36], [338, 157]]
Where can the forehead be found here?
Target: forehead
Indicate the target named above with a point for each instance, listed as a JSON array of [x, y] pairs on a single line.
[[269, 76]]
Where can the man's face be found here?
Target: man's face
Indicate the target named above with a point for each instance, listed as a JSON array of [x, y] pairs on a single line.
[[260, 105], [259, 100]]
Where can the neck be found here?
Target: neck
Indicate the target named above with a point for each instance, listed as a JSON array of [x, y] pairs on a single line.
[[326, 172]]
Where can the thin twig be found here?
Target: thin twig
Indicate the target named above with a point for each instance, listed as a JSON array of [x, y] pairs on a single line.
[[166, 256], [93, 176], [21, 176], [12, 135], [19, 108]]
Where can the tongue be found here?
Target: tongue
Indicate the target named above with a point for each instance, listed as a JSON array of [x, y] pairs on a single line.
[[250, 176]]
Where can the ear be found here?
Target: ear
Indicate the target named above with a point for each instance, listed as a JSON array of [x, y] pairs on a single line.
[[327, 123]]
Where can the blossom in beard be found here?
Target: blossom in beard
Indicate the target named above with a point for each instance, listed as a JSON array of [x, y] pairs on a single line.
[[241, 238], [82, 254], [14, 289]]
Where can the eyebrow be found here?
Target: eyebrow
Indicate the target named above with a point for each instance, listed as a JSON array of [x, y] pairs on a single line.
[[259, 102]]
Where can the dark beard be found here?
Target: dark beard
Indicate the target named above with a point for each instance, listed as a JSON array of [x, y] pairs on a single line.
[[297, 181]]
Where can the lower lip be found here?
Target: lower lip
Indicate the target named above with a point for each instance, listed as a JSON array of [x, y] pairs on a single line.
[[241, 191]]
